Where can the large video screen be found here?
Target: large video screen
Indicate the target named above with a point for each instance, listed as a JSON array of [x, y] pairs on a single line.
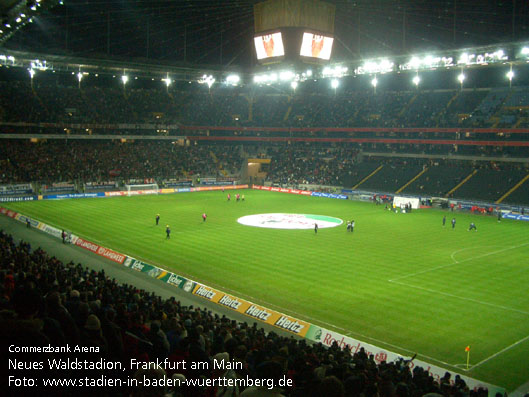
[[316, 46], [269, 46]]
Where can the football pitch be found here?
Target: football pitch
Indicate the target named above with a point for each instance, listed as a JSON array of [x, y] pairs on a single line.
[[400, 281]]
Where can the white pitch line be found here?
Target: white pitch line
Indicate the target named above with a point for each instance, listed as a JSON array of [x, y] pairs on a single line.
[[408, 285], [501, 352], [460, 297], [453, 264]]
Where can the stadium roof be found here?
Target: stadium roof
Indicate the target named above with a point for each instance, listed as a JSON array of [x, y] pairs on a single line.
[[218, 33]]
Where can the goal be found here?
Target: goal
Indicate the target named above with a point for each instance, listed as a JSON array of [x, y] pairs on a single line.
[[148, 188]]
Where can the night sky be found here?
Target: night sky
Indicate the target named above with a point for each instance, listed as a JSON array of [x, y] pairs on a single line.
[[204, 32]]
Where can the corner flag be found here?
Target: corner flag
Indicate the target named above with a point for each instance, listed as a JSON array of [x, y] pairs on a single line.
[[467, 349]]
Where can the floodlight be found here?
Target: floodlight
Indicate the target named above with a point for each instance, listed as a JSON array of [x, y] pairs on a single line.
[[124, 79], [374, 82], [209, 81], [510, 75], [31, 73], [286, 75], [525, 51], [79, 76], [22, 15], [11, 58], [461, 78], [167, 81], [415, 63], [18, 20], [416, 80], [294, 85], [7, 25], [335, 83], [309, 72], [3, 57], [233, 79]]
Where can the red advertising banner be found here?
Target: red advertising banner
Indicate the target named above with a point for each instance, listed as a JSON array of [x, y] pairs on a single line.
[[101, 251]]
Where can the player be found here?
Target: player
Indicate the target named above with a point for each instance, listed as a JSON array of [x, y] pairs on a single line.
[[348, 226], [63, 235], [28, 223], [242, 197], [204, 216], [167, 232], [229, 197], [472, 227], [453, 223], [238, 197], [499, 215], [316, 228], [352, 226], [157, 219], [444, 220]]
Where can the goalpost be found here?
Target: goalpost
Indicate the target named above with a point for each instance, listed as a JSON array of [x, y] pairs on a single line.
[[148, 188], [400, 202]]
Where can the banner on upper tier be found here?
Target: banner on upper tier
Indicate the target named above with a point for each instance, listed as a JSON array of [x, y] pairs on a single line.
[[328, 338], [249, 309], [21, 188]]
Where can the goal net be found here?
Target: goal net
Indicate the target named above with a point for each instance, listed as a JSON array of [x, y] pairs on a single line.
[[400, 202], [148, 188]]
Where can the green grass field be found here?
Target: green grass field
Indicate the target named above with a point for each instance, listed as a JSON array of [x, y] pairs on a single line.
[[400, 281]]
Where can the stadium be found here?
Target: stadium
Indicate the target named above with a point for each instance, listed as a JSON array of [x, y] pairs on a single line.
[[264, 198]]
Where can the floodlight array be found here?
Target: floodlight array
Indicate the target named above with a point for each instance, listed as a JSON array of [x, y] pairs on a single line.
[[22, 13], [335, 72], [371, 67]]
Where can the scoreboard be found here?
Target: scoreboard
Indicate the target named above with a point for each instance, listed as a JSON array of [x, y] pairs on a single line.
[[293, 30]]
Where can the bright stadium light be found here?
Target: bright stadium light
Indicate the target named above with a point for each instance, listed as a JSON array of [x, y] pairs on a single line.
[[233, 79], [31, 75], [525, 51], [286, 75], [461, 78], [510, 76], [124, 79], [416, 80], [79, 78], [374, 83], [335, 83], [294, 85]]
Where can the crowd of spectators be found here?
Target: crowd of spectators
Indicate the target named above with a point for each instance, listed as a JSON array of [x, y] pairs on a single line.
[[304, 164], [47, 302], [243, 106], [99, 160]]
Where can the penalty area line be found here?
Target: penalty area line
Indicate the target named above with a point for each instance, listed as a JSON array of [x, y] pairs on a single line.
[[460, 297], [456, 262]]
